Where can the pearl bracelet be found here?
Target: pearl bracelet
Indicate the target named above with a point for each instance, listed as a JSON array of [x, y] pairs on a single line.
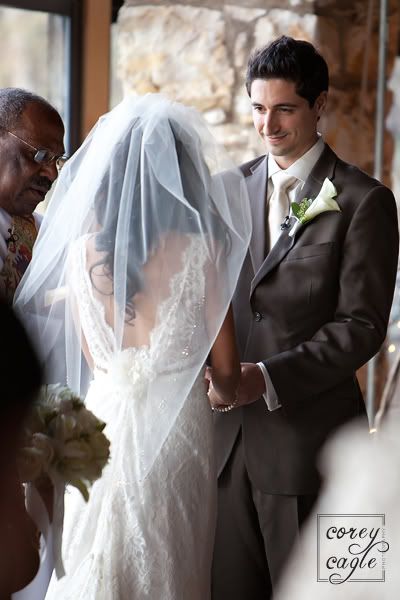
[[227, 408]]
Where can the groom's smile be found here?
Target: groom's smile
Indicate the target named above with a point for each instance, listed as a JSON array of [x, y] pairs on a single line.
[[285, 121]]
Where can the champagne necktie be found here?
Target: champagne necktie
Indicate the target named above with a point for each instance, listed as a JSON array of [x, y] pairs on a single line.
[[279, 204]]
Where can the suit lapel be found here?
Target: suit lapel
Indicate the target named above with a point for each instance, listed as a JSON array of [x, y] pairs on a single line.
[[276, 255], [257, 189], [324, 167]]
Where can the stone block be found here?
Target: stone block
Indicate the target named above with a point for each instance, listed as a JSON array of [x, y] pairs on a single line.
[[351, 51], [349, 127], [284, 22], [177, 50], [239, 13]]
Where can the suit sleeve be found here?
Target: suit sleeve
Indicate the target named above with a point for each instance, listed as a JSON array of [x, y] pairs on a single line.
[[358, 329]]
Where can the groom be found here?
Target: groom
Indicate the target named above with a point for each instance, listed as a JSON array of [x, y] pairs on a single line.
[[312, 306]]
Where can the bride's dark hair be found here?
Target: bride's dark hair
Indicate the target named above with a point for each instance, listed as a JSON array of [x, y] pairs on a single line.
[[165, 211]]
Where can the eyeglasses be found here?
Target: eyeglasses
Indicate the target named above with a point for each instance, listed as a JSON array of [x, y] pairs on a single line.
[[42, 155]]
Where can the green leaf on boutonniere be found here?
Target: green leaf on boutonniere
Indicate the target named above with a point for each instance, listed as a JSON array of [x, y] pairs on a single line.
[[79, 485], [299, 208]]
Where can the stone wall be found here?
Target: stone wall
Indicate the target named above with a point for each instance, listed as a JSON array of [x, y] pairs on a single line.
[[196, 52]]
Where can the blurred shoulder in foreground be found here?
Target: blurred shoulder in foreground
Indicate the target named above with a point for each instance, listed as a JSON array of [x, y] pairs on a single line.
[[20, 376]]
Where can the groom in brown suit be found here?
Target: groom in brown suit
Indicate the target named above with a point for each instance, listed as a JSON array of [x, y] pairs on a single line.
[[312, 306]]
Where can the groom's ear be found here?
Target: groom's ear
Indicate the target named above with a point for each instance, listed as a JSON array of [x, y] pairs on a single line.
[[320, 104]]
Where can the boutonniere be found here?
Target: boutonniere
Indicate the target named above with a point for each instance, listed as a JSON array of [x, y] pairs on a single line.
[[307, 209]]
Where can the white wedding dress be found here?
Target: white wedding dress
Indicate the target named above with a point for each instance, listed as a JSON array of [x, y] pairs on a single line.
[[134, 270], [148, 538]]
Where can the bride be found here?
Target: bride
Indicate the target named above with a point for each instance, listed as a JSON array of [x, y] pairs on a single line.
[[127, 295]]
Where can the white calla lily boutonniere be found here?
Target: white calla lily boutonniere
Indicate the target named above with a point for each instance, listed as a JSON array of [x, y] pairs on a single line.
[[308, 209]]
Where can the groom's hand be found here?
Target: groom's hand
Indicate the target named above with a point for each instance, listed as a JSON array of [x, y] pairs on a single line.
[[207, 378], [251, 385]]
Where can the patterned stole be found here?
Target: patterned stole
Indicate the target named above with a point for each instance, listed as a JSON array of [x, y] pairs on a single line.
[[23, 233]]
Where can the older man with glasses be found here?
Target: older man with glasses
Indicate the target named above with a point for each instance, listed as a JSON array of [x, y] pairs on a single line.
[[31, 155]]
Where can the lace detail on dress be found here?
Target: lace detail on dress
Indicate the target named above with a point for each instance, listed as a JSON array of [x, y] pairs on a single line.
[[147, 538], [182, 311], [99, 335]]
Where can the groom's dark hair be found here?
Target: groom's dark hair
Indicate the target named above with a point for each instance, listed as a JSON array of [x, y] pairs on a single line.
[[196, 182], [293, 60]]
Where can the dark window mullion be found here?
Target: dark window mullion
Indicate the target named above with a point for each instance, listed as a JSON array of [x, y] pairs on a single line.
[[60, 7], [75, 75]]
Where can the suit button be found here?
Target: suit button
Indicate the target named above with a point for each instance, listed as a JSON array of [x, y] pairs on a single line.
[[258, 316]]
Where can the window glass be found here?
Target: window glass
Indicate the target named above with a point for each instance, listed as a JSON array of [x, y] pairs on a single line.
[[34, 51]]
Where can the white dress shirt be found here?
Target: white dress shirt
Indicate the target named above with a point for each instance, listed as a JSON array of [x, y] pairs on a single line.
[[301, 170]]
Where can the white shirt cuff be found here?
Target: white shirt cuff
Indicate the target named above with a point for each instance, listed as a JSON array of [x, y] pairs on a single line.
[[270, 396]]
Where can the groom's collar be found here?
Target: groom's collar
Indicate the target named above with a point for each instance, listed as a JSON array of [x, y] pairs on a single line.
[[303, 166], [324, 166]]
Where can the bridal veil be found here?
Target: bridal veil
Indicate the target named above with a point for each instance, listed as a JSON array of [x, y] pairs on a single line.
[[148, 178]]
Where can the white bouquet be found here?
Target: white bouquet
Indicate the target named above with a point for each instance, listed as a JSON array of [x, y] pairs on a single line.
[[63, 440]]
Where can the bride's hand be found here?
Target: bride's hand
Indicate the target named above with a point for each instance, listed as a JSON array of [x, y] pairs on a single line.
[[215, 401], [251, 387], [207, 378]]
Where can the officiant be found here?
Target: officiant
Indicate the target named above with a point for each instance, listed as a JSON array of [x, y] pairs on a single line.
[[31, 154]]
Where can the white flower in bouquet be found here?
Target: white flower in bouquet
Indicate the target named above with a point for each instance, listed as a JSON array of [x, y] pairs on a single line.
[[63, 440], [31, 464]]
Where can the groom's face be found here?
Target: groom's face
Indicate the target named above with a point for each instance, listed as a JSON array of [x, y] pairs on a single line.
[[284, 120]]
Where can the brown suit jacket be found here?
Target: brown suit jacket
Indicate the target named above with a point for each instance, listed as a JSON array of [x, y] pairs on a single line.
[[315, 310]]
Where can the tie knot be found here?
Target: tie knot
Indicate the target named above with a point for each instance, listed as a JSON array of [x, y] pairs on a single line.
[[283, 181]]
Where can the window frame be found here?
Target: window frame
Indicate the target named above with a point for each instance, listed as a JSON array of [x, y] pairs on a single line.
[[73, 10]]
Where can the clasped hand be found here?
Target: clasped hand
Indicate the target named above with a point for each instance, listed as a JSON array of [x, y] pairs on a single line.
[[251, 387]]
